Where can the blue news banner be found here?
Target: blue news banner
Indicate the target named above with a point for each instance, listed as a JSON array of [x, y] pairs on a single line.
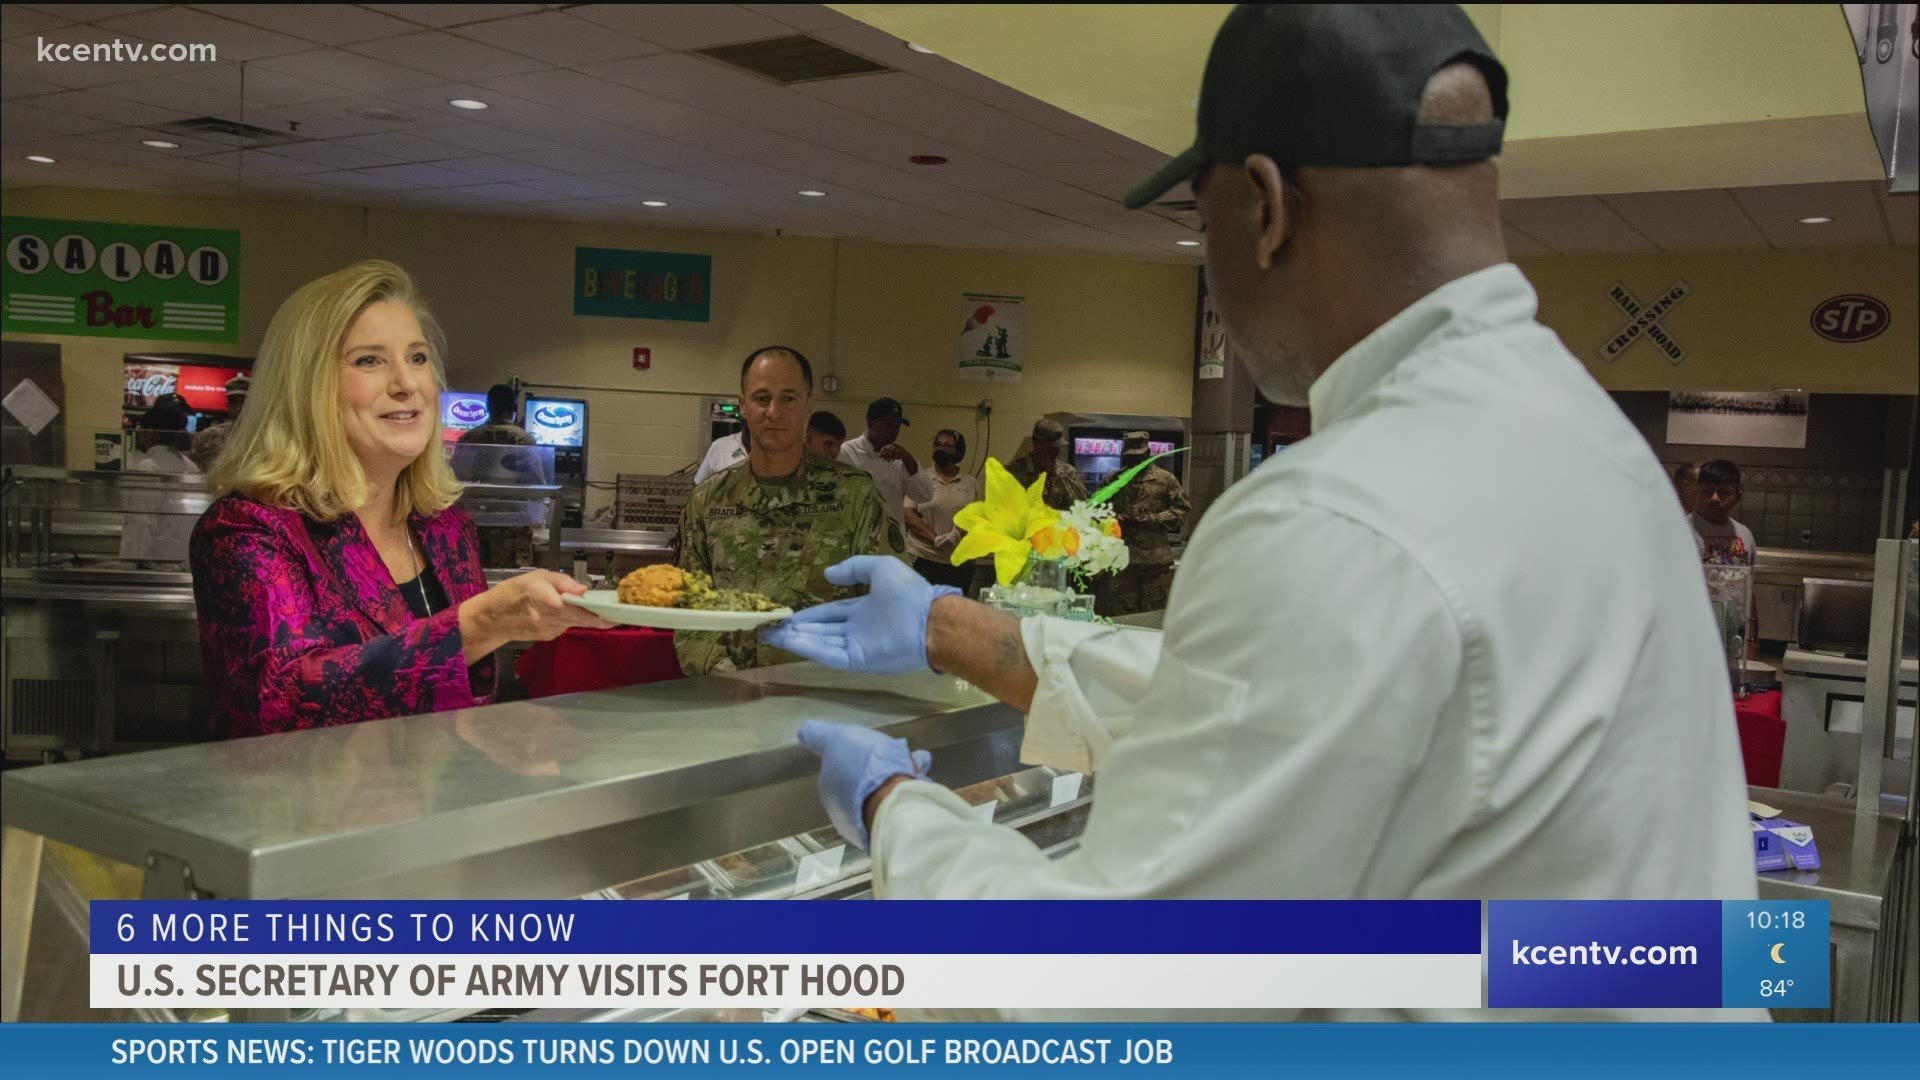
[[1154, 959]]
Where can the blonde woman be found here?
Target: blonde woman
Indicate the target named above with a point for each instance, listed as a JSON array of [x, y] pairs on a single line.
[[336, 579]]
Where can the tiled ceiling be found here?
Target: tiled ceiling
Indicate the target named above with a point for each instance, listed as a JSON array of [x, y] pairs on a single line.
[[596, 110], [1861, 213]]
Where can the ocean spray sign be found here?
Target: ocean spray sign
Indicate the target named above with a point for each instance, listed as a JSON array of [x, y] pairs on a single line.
[[108, 279], [642, 284]]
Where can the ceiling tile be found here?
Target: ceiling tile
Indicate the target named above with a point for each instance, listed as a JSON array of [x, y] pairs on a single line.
[[558, 38], [751, 143], [360, 181], [574, 162], [579, 187], [351, 71], [448, 56], [92, 12], [180, 94], [1856, 215], [23, 117], [684, 26], [452, 14], [18, 19], [500, 169], [1096, 168], [420, 175], [331, 154], [113, 110], [775, 107], [19, 86], [432, 101], [325, 119], [326, 24], [652, 183], [263, 87], [505, 193], [487, 138], [1519, 243], [976, 174], [680, 76], [1574, 225], [255, 163], [1705, 220], [895, 96], [803, 16], [406, 146], [189, 146], [234, 40], [642, 149]]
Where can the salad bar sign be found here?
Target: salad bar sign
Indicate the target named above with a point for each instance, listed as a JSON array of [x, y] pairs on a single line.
[[106, 279]]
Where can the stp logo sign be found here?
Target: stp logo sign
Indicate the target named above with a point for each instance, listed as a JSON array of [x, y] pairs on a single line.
[[1850, 317]]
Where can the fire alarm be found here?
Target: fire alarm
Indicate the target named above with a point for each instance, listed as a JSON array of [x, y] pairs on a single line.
[[642, 359]]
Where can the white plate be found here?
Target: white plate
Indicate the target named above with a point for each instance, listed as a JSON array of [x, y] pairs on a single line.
[[606, 604]]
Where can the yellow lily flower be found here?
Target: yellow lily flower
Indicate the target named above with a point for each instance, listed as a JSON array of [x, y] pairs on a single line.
[[1004, 523]]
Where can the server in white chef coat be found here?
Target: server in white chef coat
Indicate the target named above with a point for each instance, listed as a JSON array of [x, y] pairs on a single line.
[[1382, 675], [724, 453]]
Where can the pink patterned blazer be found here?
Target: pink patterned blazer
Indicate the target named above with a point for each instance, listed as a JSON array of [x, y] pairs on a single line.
[[301, 625]]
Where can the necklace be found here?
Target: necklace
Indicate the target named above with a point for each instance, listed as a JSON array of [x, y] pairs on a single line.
[[420, 573]]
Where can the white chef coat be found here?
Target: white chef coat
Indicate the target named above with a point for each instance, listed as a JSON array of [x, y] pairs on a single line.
[[889, 477], [726, 452], [1390, 670], [147, 533]]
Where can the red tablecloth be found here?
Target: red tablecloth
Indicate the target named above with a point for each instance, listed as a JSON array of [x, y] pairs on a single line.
[[1763, 737], [582, 660]]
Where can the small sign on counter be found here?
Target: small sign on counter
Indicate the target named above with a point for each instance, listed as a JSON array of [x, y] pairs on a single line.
[[820, 868], [1065, 789]]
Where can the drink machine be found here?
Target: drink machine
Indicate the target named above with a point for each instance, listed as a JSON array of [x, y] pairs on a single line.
[[719, 418], [1093, 442], [460, 412], [562, 424]]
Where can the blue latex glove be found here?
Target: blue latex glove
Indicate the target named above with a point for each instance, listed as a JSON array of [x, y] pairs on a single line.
[[881, 633], [854, 762]]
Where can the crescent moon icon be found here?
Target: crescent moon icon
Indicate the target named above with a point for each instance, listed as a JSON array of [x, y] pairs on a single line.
[[1775, 951]]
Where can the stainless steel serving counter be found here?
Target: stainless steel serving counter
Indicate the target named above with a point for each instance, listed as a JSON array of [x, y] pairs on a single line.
[[544, 799], [1862, 869]]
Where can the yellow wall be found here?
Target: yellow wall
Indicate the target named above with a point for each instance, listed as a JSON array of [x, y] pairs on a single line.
[[1104, 334], [1746, 324]]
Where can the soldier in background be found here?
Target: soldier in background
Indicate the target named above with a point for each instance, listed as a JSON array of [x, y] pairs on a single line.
[[208, 442], [1065, 486], [1152, 510], [507, 547], [773, 524]]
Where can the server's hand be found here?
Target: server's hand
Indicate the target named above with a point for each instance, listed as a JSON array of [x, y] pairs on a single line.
[[855, 762], [881, 633]]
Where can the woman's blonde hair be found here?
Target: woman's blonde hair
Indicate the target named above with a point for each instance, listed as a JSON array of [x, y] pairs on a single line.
[[289, 447]]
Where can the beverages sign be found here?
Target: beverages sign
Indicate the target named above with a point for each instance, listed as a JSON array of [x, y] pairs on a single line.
[[642, 284], [107, 279]]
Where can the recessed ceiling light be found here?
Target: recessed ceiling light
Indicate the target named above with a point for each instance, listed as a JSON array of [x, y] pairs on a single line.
[[814, 194], [1816, 220], [40, 159], [919, 48], [467, 103], [160, 144], [1188, 243], [651, 202], [1788, 390]]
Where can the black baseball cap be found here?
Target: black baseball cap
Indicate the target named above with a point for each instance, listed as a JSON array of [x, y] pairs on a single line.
[[887, 409], [1334, 86]]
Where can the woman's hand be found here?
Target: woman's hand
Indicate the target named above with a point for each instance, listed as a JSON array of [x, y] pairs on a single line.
[[524, 608]]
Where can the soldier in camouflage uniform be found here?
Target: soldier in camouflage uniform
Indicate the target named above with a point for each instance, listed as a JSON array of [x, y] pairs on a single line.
[[1152, 509], [1065, 485], [502, 547], [776, 536]]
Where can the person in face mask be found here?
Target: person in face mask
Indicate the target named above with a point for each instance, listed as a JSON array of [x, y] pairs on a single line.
[[931, 536]]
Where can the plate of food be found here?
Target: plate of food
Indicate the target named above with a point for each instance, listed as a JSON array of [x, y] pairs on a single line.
[[666, 597]]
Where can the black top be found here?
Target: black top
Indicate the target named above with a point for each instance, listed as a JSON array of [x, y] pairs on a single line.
[[424, 592]]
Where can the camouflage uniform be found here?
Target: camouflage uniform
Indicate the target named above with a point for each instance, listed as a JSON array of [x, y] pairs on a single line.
[[503, 546], [1065, 486], [777, 539], [1151, 510]]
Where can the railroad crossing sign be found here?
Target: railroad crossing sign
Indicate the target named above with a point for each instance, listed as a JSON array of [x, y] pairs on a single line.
[[1644, 321]]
